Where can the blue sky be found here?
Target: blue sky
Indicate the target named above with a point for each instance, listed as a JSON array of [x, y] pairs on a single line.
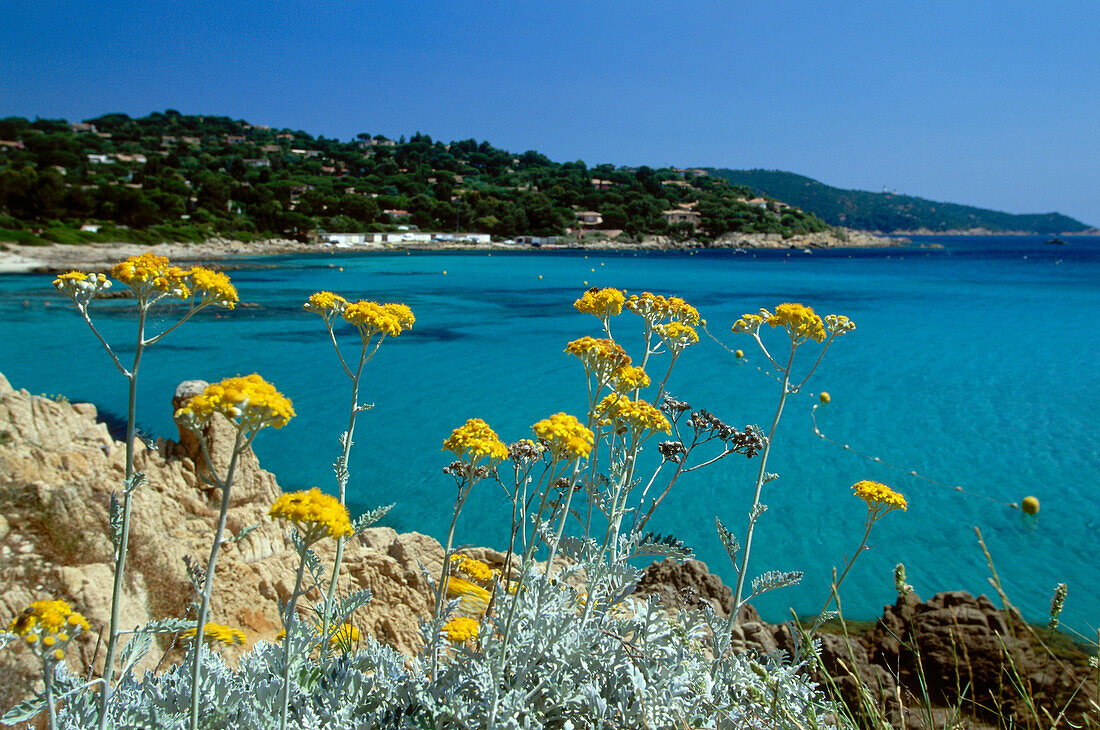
[[995, 104]]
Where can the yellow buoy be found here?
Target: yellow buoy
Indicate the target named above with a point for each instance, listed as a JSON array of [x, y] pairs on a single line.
[[824, 397], [540, 276], [1031, 506], [601, 263], [739, 354], [593, 271], [444, 272], [586, 283]]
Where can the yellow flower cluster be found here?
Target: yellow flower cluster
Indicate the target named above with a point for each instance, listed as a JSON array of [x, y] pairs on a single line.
[[148, 274], [217, 632], [212, 287], [654, 308], [473, 568], [637, 415], [251, 399], [799, 320], [325, 303], [372, 318], [601, 357], [475, 439], [838, 324], [47, 627], [474, 599], [677, 335], [318, 514], [344, 636], [629, 378], [603, 303], [565, 436], [879, 496], [461, 628], [81, 287]]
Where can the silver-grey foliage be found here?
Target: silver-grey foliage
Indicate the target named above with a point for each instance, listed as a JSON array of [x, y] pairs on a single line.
[[624, 663]]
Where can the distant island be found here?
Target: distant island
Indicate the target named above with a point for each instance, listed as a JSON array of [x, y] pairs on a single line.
[[176, 177], [890, 213]]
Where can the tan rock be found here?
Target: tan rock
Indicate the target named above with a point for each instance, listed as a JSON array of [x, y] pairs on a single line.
[[58, 470]]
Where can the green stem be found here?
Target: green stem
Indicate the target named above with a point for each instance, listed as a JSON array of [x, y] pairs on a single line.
[[836, 584], [342, 480], [743, 571], [208, 580], [47, 677], [127, 504], [286, 637]]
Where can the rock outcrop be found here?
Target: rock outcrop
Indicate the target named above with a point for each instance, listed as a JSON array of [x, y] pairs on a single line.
[[58, 469], [960, 649]]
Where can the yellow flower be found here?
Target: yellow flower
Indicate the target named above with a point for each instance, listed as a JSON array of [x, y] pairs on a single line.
[[372, 318], [474, 598], [677, 335], [81, 287], [475, 439], [638, 415], [318, 514], [217, 632], [800, 321], [473, 568], [879, 496], [603, 303], [654, 308], [251, 399], [212, 287], [838, 324], [148, 274], [629, 378], [47, 627], [600, 357], [565, 436], [346, 635], [325, 303], [460, 629]]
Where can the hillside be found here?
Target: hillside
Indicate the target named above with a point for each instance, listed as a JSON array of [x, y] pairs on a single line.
[[887, 212], [178, 177]]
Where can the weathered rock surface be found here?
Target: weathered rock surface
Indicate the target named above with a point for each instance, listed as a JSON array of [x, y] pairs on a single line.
[[965, 644], [58, 469]]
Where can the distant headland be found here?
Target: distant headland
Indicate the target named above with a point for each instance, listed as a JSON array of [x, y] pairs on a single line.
[[223, 183]]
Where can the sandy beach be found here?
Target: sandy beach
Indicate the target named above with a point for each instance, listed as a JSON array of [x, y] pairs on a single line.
[[98, 256]]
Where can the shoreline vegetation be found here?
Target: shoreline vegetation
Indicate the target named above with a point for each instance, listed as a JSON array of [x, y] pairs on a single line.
[[60, 257], [496, 639]]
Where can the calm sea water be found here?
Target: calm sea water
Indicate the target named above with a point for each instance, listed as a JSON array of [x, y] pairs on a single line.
[[974, 365]]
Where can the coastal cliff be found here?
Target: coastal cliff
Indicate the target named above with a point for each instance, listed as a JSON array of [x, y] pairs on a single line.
[[59, 465]]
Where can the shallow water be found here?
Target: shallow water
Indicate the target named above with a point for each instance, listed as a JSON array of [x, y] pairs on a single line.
[[973, 365]]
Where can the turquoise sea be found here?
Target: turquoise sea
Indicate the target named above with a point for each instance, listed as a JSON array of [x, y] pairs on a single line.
[[974, 365]]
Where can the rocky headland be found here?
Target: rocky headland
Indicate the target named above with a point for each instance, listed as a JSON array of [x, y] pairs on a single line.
[[59, 466]]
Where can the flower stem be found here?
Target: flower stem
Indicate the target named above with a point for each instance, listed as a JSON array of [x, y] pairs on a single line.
[[760, 477], [286, 637], [836, 584], [208, 580], [47, 677], [127, 504]]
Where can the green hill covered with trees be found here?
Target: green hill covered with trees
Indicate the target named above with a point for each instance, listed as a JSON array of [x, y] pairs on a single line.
[[177, 177], [888, 212]]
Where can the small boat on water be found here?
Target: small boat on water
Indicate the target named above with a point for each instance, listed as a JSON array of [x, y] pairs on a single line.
[[1057, 241]]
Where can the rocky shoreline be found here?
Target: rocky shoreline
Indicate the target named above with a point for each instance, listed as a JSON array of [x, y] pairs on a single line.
[[58, 257], [59, 465]]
